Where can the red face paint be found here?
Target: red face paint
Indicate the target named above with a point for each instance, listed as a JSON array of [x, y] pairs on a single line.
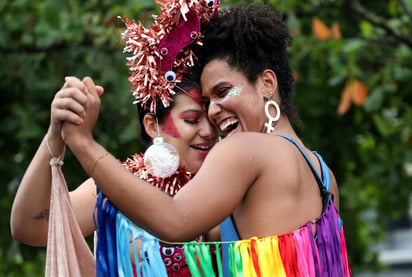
[[169, 127], [196, 95]]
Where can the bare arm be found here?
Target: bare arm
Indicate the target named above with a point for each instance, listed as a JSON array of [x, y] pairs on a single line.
[[30, 210], [83, 200], [197, 204]]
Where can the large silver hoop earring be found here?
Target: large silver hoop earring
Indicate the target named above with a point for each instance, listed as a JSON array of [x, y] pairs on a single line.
[[161, 159], [271, 119]]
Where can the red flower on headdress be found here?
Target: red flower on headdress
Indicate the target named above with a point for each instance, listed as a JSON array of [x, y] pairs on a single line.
[[161, 54]]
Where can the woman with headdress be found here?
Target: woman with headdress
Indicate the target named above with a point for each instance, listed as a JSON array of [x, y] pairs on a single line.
[[280, 200], [170, 113]]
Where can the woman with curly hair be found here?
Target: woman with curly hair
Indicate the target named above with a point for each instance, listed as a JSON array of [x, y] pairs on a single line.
[[277, 199]]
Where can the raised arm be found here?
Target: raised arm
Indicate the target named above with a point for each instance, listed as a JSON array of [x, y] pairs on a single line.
[[197, 204], [30, 210]]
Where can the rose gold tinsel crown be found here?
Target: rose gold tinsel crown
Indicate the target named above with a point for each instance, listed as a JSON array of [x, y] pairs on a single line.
[[162, 54]]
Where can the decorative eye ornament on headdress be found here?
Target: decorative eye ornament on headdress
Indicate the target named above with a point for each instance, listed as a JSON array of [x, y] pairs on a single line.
[[162, 54]]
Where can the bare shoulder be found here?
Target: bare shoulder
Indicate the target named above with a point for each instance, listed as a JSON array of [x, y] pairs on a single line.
[[249, 142], [241, 152], [237, 149], [251, 151]]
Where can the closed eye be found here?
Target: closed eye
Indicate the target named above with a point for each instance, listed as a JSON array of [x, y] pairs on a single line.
[[223, 91], [191, 116], [192, 121]]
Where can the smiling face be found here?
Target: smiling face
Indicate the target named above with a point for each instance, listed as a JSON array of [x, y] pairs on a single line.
[[187, 128], [234, 104]]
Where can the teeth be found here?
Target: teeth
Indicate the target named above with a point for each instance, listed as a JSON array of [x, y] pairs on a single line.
[[227, 123], [202, 147]]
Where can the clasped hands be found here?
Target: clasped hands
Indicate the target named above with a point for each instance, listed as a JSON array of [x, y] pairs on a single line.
[[75, 110]]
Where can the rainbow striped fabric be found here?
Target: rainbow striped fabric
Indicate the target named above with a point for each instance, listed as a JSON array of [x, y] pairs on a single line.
[[298, 253]]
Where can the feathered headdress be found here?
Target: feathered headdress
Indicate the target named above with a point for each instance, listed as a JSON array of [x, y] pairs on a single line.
[[162, 54]]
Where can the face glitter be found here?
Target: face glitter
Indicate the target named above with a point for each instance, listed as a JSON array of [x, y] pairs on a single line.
[[235, 91]]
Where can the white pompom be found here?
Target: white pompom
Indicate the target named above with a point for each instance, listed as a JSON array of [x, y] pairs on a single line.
[[161, 159]]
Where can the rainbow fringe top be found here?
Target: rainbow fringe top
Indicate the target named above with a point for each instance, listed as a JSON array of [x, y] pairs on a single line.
[[298, 253]]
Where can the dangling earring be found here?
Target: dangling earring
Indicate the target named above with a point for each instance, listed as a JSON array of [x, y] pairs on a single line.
[[161, 159], [271, 119]]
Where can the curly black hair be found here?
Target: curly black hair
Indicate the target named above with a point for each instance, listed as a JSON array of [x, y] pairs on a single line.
[[190, 80], [252, 38]]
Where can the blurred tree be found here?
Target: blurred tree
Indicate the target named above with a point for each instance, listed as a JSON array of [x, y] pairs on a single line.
[[353, 67]]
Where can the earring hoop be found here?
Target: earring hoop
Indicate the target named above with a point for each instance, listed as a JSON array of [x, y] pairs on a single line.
[[271, 119]]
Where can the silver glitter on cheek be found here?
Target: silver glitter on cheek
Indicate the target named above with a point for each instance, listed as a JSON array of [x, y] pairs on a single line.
[[235, 91]]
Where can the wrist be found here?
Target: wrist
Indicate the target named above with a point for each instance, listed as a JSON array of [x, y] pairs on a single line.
[[55, 145], [80, 143], [88, 152]]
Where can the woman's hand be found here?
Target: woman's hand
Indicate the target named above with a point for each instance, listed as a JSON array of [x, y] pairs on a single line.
[[69, 105], [81, 123]]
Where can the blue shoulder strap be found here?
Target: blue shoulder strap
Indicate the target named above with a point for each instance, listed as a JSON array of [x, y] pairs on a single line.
[[323, 179], [228, 231]]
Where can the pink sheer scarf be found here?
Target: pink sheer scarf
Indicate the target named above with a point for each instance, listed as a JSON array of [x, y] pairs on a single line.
[[67, 251]]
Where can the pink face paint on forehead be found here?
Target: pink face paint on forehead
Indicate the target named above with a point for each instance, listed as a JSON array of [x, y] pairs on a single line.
[[196, 95], [169, 127]]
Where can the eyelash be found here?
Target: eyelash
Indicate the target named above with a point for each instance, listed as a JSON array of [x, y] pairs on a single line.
[[222, 92], [192, 121]]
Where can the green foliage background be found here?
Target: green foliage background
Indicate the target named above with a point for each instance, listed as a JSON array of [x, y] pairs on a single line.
[[369, 148]]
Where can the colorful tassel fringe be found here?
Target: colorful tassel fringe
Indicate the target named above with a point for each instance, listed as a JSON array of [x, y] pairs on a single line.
[[297, 253]]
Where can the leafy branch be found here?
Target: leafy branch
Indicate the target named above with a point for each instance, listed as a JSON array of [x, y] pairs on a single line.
[[406, 11], [378, 21]]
